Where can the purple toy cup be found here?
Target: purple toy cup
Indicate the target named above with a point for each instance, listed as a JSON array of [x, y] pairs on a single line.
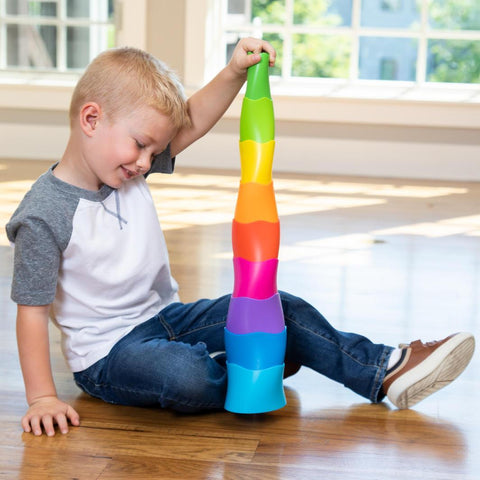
[[248, 315]]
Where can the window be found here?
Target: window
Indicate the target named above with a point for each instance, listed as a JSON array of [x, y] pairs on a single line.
[[388, 69], [53, 35], [391, 5], [396, 40]]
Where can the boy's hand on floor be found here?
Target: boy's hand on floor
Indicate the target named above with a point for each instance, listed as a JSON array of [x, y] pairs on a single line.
[[47, 411]]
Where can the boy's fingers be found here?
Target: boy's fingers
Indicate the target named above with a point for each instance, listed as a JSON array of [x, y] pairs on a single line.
[[62, 423], [37, 423], [73, 416], [47, 421], [26, 425], [36, 428], [266, 47], [259, 46], [272, 56], [253, 59]]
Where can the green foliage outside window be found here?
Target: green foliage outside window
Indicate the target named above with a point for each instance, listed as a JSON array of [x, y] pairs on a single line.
[[320, 56], [455, 14], [271, 12], [315, 13], [456, 61], [315, 55], [312, 55]]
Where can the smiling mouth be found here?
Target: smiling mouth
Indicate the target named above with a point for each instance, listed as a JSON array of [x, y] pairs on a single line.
[[128, 173]]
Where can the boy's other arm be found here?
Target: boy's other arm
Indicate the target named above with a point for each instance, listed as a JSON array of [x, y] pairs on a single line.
[[45, 408], [208, 105]]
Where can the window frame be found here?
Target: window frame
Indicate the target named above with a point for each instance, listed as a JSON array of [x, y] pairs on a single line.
[[52, 91], [398, 103], [366, 102], [356, 31], [62, 23]]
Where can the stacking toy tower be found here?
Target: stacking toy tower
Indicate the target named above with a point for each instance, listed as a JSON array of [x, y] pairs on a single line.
[[255, 334]]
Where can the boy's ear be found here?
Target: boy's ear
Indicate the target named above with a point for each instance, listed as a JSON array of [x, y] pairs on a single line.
[[90, 115]]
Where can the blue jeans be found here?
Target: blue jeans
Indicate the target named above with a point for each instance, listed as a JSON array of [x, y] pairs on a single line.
[[165, 361]]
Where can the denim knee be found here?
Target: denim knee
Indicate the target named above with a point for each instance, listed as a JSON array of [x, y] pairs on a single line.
[[191, 380], [158, 372]]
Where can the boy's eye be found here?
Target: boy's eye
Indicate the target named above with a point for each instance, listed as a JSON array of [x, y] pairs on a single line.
[[139, 144]]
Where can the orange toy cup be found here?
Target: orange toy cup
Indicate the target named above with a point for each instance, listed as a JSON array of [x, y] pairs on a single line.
[[256, 202], [257, 241]]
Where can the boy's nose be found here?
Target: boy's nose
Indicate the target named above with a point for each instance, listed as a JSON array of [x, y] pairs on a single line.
[[143, 163]]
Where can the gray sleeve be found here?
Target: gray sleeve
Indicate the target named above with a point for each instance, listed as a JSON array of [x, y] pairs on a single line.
[[162, 163], [36, 264]]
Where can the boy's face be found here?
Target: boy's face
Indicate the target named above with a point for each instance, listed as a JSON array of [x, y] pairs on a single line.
[[124, 148]]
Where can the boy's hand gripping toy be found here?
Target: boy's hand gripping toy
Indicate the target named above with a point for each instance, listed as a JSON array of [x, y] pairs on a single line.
[[255, 335]]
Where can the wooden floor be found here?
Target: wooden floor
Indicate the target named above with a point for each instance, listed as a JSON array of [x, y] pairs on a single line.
[[394, 260]]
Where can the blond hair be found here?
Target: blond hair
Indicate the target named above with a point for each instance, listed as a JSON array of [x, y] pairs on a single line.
[[123, 79]]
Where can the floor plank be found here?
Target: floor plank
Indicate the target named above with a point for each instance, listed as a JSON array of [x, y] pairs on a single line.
[[395, 260]]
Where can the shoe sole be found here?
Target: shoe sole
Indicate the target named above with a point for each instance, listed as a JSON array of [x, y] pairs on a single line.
[[439, 369]]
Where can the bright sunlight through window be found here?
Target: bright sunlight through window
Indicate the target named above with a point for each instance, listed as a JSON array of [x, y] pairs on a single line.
[[420, 41]]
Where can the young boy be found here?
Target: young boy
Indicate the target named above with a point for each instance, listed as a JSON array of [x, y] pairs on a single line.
[[89, 248]]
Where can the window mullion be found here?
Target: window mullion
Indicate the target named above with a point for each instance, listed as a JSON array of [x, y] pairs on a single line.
[[422, 45], [3, 36], [287, 41], [61, 37], [248, 10], [93, 30], [355, 36]]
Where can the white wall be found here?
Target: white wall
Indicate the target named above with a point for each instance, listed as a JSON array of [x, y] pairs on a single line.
[[367, 150], [445, 153]]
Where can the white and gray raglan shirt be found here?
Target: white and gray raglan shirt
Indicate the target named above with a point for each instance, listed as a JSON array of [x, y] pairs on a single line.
[[99, 257]]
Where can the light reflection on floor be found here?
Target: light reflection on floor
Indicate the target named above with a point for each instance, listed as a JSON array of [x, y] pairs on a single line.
[[185, 200], [376, 244]]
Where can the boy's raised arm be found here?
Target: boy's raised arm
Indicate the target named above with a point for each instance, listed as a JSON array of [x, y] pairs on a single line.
[[208, 105], [45, 408]]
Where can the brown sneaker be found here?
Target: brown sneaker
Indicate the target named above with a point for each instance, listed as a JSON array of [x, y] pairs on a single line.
[[425, 368]]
